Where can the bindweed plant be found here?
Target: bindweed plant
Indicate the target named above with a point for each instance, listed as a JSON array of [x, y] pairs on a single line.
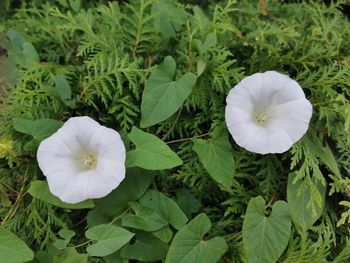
[[159, 73]]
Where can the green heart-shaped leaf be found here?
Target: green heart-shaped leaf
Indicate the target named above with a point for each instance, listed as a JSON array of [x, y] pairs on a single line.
[[13, 249], [188, 245], [216, 155], [265, 238], [304, 208], [110, 239], [163, 95], [146, 248], [165, 207], [40, 190], [151, 153]]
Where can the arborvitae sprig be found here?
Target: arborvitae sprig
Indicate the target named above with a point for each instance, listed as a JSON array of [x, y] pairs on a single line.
[[107, 51]]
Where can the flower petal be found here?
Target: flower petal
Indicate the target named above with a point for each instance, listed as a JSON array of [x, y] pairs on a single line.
[[60, 182], [254, 85], [290, 92], [300, 110], [54, 145], [50, 163], [104, 137], [239, 97], [77, 132], [293, 117], [75, 188], [108, 175], [114, 152], [235, 115], [112, 171], [279, 140], [258, 141], [274, 81], [250, 136]]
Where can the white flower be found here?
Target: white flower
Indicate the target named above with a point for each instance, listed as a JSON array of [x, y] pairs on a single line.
[[82, 160], [267, 112]]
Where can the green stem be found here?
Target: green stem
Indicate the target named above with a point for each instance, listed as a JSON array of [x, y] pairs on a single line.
[[188, 139]]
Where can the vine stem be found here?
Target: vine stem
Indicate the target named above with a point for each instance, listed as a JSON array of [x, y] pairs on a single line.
[[327, 103], [14, 208], [115, 219], [273, 198], [82, 244], [232, 236], [187, 139], [9, 187], [173, 126]]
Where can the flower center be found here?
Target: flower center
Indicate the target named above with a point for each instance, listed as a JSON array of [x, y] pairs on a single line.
[[89, 161], [260, 117]]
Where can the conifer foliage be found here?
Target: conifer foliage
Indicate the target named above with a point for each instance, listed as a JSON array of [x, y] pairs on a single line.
[[158, 72]]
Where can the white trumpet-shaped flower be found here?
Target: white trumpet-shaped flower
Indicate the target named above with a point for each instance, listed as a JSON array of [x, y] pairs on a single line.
[[82, 160], [267, 112]]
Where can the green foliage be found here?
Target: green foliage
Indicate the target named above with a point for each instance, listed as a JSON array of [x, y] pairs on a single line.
[[188, 244], [39, 129], [217, 157], [163, 96], [40, 190], [63, 88], [303, 210], [109, 239], [132, 188], [145, 218], [13, 249], [66, 236], [265, 238], [166, 207], [151, 152], [168, 65], [146, 248]]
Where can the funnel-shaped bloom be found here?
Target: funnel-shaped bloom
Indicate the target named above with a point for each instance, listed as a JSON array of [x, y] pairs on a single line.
[[82, 160], [267, 112]]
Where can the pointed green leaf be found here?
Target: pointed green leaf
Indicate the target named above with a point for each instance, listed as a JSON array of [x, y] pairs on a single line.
[[188, 245], [63, 88], [165, 207], [30, 53], [151, 152], [115, 258], [216, 155], [132, 188], [163, 95], [144, 219], [265, 238], [66, 234], [201, 67], [188, 202], [146, 248], [40, 129], [303, 207], [64, 3], [75, 5], [324, 153], [167, 17], [165, 234], [110, 238], [70, 255], [209, 42], [40, 190], [17, 40], [13, 249]]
